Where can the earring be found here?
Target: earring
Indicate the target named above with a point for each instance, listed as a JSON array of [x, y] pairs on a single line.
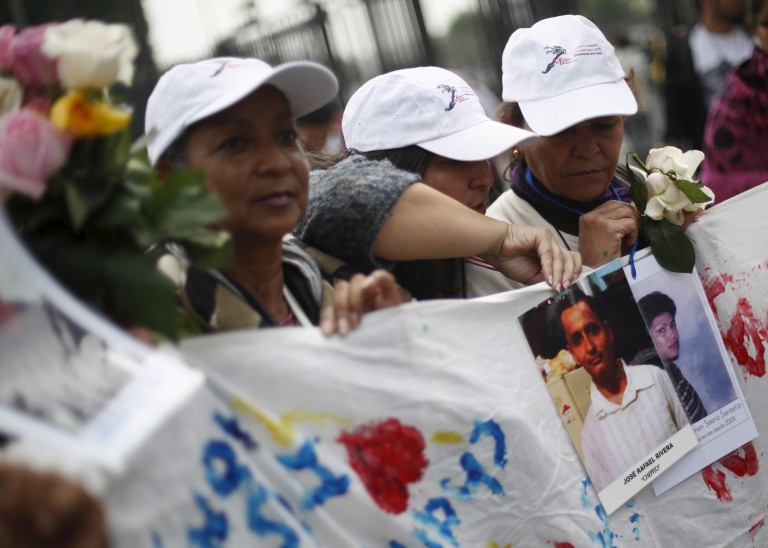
[[515, 154]]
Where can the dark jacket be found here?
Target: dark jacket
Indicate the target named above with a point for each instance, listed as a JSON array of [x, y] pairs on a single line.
[[686, 112]]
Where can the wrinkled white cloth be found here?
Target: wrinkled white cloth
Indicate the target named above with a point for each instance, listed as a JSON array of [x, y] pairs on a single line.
[[272, 450]]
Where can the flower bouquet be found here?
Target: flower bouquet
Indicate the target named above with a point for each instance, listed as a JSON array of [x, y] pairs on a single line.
[[82, 197], [668, 197]]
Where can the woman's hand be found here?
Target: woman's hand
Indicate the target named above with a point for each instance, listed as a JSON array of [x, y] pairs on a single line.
[[353, 298], [426, 224], [46, 510], [608, 232], [690, 217], [530, 255], [143, 334]]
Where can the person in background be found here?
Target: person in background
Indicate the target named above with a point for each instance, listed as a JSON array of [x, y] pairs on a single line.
[[659, 311], [697, 62], [410, 133], [562, 79], [234, 119], [736, 132], [636, 62], [320, 130]]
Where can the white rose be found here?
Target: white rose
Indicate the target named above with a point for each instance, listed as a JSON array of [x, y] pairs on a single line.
[[667, 159], [668, 204], [665, 199], [11, 95], [657, 183], [91, 54]]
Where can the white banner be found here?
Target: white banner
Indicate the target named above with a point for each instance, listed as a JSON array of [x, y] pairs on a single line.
[[431, 426]]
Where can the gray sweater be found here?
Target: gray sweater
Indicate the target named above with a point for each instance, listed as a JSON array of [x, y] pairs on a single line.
[[348, 205]]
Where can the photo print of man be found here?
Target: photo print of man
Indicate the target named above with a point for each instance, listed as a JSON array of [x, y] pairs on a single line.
[[628, 411]]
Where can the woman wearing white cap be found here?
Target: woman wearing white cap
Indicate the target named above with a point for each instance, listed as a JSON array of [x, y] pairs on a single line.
[[562, 79], [429, 124], [234, 119]]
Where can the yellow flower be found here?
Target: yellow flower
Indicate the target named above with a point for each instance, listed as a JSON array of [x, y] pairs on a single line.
[[73, 114]]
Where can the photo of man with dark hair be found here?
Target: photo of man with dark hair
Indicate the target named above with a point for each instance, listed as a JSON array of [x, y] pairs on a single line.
[[633, 410]]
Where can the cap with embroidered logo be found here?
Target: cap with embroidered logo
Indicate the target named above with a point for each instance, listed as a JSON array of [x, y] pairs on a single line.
[[189, 92], [562, 71], [430, 107]]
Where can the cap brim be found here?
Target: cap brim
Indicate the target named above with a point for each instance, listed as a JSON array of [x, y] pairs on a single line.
[[479, 142], [308, 86], [554, 114]]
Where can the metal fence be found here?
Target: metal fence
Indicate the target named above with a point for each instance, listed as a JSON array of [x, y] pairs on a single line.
[[359, 39]]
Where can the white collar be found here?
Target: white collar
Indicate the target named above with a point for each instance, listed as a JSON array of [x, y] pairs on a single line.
[[638, 378]]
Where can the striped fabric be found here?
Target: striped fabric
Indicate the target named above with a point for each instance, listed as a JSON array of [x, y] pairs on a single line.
[[692, 404]]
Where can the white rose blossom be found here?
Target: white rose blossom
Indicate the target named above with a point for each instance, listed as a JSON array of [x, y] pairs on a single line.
[[665, 199], [91, 54], [11, 95]]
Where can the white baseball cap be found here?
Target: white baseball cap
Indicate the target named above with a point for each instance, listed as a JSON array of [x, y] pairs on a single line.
[[429, 107], [187, 93], [562, 71]]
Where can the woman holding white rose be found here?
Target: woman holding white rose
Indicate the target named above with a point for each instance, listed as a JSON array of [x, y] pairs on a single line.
[[562, 79]]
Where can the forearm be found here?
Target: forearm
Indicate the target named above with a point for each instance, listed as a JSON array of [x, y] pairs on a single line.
[[426, 224]]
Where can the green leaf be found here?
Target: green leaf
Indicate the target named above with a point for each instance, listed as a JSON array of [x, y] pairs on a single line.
[[183, 203], [29, 216], [216, 252], [186, 326], [671, 247], [117, 151], [139, 184], [205, 237], [637, 189], [100, 159], [145, 236], [692, 190], [83, 185], [139, 295], [189, 213], [180, 182], [139, 146], [78, 208], [124, 210], [76, 264], [139, 171]]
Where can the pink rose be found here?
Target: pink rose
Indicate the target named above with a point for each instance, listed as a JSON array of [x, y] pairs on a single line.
[[6, 35], [31, 149], [27, 59]]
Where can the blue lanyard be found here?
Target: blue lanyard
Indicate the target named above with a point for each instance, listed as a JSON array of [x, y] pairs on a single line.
[[550, 199], [529, 180]]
